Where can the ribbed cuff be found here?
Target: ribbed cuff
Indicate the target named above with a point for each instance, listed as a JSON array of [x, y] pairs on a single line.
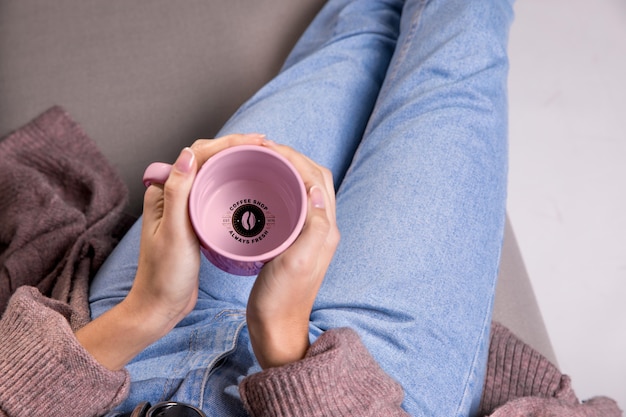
[[522, 382], [338, 377], [516, 370], [43, 368]]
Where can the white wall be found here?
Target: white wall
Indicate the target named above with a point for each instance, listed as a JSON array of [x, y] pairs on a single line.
[[567, 186]]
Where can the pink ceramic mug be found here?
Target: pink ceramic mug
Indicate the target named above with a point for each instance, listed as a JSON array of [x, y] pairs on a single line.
[[247, 205]]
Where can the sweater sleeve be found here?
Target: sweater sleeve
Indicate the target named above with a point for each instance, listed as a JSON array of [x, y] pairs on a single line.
[[338, 377], [43, 368], [520, 382]]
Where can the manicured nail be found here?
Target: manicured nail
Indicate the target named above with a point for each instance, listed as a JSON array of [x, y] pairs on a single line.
[[317, 197], [184, 163]]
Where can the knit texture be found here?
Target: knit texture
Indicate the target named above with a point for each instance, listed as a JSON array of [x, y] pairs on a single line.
[[520, 382], [338, 374], [61, 209], [60, 212], [44, 371]]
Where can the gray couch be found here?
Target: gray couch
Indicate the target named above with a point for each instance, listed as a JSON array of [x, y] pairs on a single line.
[[146, 78]]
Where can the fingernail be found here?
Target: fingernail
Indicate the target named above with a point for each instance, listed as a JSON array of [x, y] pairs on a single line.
[[184, 163], [317, 197]]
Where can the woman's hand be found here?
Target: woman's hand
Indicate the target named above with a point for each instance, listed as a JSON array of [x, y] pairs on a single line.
[[282, 298], [165, 289], [169, 260]]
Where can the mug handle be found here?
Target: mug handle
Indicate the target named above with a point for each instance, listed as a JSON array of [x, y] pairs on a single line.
[[156, 173]]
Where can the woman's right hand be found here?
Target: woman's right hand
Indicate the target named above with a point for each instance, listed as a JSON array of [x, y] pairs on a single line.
[[169, 260], [165, 289]]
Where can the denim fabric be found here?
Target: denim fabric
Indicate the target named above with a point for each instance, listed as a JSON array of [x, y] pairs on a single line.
[[406, 104]]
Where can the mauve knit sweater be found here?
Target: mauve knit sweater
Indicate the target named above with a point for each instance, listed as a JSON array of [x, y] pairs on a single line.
[[60, 211]]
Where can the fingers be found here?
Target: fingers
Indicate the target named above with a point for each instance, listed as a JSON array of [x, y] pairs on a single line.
[[320, 227], [319, 236], [312, 174], [166, 205], [206, 148], [176, 191], [178, 183]]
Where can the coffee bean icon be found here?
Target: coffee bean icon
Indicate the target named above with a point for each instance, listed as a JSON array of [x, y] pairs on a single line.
[[248, 220]]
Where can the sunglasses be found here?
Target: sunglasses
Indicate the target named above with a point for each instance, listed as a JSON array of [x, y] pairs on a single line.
[[165, 409]]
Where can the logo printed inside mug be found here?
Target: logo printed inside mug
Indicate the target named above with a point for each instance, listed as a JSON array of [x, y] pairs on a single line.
[[248, 220]]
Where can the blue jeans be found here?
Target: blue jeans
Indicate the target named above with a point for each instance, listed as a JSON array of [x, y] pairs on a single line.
[[406, 104]]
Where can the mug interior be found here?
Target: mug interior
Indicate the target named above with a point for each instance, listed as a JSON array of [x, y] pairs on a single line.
[[247, 202]]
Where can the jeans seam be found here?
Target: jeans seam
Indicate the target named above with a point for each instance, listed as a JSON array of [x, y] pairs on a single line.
[[211, 368], [471, 376], [229, 312], [415, 22]]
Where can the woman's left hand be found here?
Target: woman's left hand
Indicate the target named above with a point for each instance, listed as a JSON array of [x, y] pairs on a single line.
[[282, 298]]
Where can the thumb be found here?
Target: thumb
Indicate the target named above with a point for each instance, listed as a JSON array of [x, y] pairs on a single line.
[[176, 191], [166, 205]]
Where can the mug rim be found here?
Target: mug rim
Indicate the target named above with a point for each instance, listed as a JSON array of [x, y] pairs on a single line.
[[268, 255]]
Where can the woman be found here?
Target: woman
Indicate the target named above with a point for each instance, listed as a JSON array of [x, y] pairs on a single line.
[[405, 106]]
